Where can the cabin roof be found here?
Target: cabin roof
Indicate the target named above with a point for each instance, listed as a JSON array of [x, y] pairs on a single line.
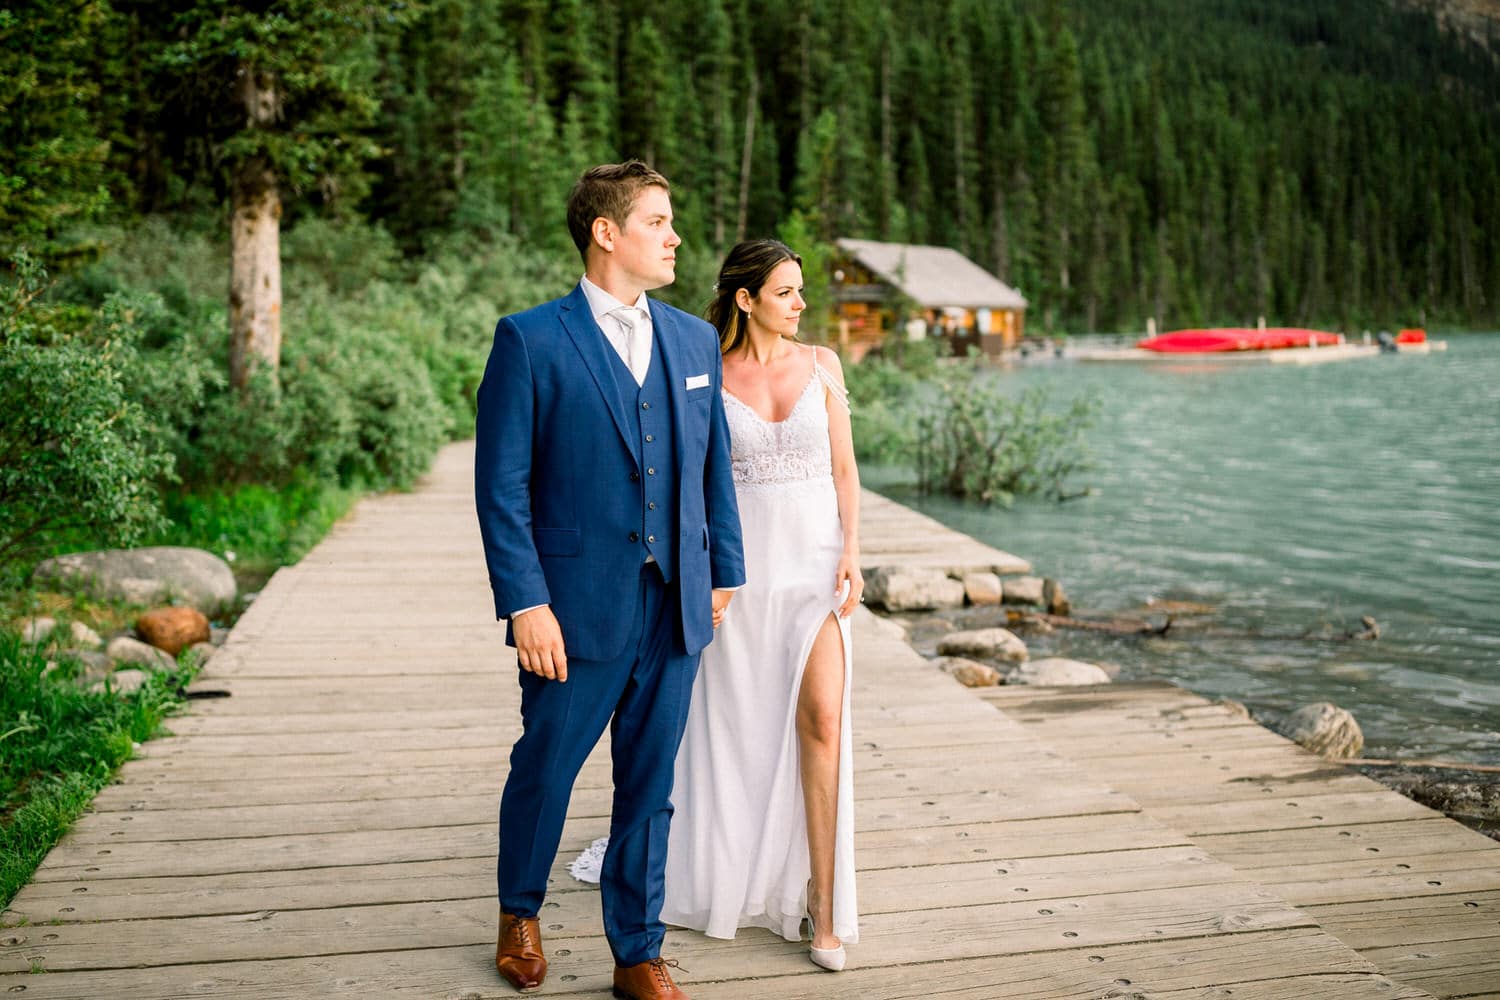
[[934, 276]]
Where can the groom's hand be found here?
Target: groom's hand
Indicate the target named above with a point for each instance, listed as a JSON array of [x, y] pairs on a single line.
[[539, 643]]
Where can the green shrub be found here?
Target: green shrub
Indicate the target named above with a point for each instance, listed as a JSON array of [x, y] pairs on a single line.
[[975, 441], [953, 423], [77, 454]]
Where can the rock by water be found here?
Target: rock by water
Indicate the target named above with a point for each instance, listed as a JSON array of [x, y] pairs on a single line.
[[1057, 671], [1023, 589], [982, 588], [995, 643], [969, 673], [902, 589], [1324, 728]]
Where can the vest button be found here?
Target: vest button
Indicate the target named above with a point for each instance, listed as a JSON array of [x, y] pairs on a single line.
[[635, 477], [649, 439], [650, 472], [635, 536], [645, 406], [650, 538], [651, 505]]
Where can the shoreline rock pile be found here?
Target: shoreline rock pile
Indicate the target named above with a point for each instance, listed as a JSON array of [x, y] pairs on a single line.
[[181, 588]]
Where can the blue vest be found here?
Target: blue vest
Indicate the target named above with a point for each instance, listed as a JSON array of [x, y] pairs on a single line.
[[655, 447]]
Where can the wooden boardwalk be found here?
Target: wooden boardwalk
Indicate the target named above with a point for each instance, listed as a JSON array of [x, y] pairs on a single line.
[[325, 827]]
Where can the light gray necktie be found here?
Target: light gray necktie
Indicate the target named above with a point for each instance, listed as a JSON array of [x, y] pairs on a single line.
[[637, 341]]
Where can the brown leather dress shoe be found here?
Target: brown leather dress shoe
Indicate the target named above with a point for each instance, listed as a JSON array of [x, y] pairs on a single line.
[[648, 981], [518, 953]]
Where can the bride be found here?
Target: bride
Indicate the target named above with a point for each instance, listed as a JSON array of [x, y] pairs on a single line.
[[763, 829]]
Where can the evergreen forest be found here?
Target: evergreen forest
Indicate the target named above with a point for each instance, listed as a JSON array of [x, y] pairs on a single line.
[[1197, 161]]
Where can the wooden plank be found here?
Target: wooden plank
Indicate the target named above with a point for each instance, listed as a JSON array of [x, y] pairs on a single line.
[[277, 724], [881, 890], [468, 972], [1424, 920], [1353, 881], [1291, 812], [135, 791], [1469, 967], [895, 939], [1413, 838], [878, 848], [924, 810]]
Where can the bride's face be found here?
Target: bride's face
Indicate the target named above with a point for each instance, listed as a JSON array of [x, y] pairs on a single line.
[[778, 307]]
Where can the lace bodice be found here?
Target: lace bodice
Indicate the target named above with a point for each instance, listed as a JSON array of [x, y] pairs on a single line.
[[794, 450]]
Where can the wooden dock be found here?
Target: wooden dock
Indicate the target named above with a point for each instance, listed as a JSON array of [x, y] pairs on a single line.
[[324, 827]]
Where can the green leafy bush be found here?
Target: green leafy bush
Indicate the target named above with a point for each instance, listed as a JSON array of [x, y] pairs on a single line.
[[954, 423], [975, 441], [77, 453]]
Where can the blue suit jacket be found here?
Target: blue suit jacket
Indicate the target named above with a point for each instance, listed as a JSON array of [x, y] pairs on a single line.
[[553, 475]]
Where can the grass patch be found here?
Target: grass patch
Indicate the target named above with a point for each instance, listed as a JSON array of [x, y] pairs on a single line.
[[257, 528], [59, 744]]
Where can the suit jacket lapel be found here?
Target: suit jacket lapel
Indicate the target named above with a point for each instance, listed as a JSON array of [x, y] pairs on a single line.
[[578, 321], [665, 329]]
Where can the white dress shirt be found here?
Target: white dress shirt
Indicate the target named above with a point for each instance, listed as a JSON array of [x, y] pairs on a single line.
[[604, 306]]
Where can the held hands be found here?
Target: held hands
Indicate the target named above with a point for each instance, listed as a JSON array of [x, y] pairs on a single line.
[[539, 643], [721, 601], [848, 583]]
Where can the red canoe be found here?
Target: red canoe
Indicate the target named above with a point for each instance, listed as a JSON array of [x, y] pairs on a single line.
[[1234, 339]]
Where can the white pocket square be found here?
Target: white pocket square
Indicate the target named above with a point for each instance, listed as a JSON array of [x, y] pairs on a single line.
[[697, 381]]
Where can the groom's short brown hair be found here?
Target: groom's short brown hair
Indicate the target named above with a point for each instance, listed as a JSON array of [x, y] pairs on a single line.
[[608, 191]]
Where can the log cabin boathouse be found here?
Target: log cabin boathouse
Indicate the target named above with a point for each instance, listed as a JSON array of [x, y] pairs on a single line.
[[882, 290]]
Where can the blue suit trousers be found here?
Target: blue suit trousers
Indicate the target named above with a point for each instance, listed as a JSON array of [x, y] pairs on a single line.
[[642, 695]]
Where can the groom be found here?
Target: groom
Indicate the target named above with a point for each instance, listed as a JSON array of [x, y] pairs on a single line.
[[613, 541]]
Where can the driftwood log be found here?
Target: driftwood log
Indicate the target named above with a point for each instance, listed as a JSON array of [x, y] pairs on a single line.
[[1138, 626]]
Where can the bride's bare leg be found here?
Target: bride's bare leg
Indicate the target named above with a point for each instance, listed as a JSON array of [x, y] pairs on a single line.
[[820, 706]]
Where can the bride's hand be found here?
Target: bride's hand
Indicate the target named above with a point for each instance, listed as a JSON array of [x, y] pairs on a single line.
[[721, 601], [848, 575]]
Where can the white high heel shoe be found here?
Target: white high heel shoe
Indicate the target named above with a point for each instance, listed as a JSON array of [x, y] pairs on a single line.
[[831, 959]]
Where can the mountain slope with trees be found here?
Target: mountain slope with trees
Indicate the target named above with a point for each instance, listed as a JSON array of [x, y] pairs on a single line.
[[1329, 161]]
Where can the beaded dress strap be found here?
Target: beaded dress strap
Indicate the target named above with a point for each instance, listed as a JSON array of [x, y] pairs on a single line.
[[834, 387]]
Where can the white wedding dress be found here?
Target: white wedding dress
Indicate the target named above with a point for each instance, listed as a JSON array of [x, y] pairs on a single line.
[[738, 856]]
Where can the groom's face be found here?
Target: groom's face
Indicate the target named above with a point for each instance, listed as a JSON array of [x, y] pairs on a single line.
[[646, 248]]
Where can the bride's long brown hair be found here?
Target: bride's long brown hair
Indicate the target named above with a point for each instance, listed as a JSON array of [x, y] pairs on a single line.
[[748, 266]]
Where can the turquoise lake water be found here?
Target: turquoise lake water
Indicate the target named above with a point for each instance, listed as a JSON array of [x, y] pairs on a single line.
[[1292, 500]]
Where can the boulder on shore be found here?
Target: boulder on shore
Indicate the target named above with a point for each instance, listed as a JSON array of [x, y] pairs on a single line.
[[1326, 729], [1055, 599], [35, 631], [124, 649], [172, 629], [122, 681], [969, 673], [982, 588], [144, 576], [83, 637], [1057, 671], [995, 643], [1023, 590], [898, 588]]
